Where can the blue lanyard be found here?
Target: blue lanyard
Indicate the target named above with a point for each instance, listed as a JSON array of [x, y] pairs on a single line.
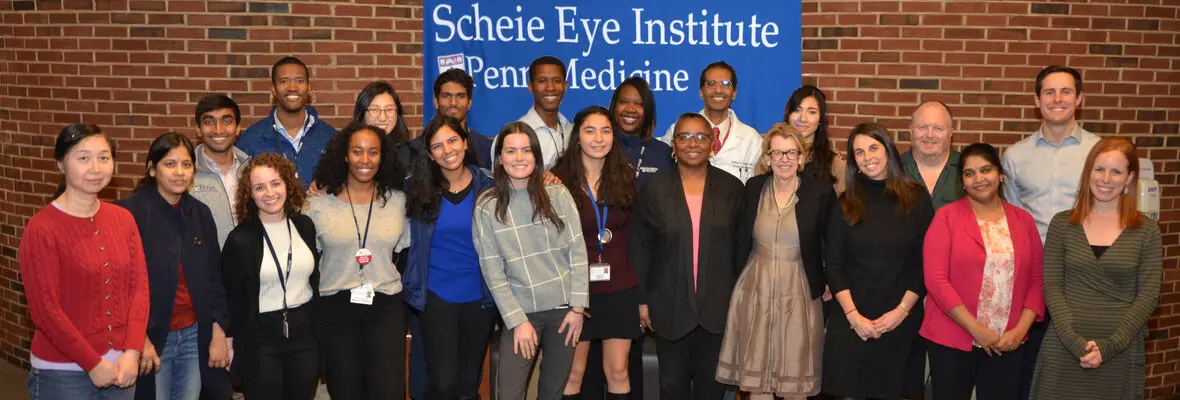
[[599, 217]]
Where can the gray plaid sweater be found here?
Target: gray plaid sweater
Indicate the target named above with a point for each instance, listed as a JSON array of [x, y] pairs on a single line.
[[528, 265]]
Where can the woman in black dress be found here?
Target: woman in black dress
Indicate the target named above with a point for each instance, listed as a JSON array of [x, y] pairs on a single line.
[[874, 263]]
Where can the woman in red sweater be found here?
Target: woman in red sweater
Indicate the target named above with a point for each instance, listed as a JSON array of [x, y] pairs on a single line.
[[82, 265], [983, 263]]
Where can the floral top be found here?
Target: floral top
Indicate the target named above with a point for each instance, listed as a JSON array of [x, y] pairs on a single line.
[[995, 293]]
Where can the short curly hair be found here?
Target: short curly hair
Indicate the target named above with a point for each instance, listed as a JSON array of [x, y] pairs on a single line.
[[246, 208]]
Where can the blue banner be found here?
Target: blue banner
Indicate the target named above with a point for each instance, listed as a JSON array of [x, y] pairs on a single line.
[[607, 41]]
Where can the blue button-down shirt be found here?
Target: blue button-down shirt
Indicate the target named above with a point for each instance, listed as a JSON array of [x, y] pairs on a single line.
[[1043, 177]]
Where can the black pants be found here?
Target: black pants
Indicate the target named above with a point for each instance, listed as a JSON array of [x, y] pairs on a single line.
[[688, 366], [954, 373], [594, 380], [289, 368], [364, 347], [1036, 334], [455, 336]]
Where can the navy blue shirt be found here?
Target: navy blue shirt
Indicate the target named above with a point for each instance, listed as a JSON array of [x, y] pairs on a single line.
[[262, 137], [648, 157]]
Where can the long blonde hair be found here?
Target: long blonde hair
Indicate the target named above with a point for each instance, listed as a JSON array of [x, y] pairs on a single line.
[[785, 131]]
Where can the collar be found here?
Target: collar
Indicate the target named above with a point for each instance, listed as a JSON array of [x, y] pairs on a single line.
[[309, 120], [952, 160], [1075, 136], [204, 163], [731, 117], [533, 119]]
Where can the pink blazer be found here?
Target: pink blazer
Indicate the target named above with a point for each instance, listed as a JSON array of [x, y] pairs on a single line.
[[954, 257]]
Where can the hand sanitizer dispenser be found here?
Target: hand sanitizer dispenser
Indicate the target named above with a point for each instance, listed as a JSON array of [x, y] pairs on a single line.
[[1149, 190]]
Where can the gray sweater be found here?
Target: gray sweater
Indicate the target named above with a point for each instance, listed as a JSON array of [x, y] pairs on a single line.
[[336, 234], [208, 188], [529, 265]]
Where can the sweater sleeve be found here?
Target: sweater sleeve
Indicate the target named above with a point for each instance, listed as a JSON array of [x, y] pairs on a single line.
[[924, 213], [1054, 276], [1035, 298], [937, 263], [230, 254], [216, 283], [40, 272], [493, 266], [580, 274], [1146, 298], [137, 316], [642, 241], [837, 279]]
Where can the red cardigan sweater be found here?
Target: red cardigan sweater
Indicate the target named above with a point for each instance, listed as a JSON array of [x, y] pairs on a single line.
[[86, 284], [954, 257]]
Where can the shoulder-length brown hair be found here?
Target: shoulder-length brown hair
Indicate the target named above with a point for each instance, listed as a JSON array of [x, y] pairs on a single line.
[[295, 197], [617, 182], [1129, 215], [897, 184]]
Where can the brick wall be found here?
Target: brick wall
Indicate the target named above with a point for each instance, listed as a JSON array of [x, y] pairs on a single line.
[[137, 67]]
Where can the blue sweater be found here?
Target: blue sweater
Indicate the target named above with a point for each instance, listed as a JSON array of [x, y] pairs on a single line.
[[262, 137], [454, 265], [656, 155], [417, 278]]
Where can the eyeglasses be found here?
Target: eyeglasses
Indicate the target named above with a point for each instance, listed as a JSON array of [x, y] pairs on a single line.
[[390, 112], [693, 137], [725, 84], [776, 155]]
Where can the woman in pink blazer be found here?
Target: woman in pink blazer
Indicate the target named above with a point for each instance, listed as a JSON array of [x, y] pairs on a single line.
[[983, 264]]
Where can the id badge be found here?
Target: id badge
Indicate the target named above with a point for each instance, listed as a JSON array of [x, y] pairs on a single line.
[[599, 272], [362, 295]]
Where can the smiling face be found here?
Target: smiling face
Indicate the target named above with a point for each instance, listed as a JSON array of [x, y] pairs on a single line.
[[1059, 98], [291, 87], [596, 136], [1110, 176], [364, 156], [452, 101], [718, 91], [268, 191], [783, 156], [174, 173], [806, 117], [870, 157], [693, 142], [382, 113], [931, 128], [219, 131], [981, 179], [88, 166], [518, 158], [447, 149], [548, 87], [629, 111]]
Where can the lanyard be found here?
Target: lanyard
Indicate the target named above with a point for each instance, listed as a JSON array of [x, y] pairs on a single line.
[[599, 216], [361, 240], [639, 160], [282, 278]]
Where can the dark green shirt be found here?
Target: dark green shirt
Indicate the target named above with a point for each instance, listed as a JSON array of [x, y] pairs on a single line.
[[949, 186]]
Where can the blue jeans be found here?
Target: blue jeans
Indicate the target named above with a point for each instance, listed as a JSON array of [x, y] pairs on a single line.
[[48, 384], [180, 366]]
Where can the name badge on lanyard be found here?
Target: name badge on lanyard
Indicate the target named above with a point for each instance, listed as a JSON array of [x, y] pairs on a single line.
[[600, 271], [364, 293]]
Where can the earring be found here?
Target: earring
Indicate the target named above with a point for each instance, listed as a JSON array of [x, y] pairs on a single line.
[[1126, 189]]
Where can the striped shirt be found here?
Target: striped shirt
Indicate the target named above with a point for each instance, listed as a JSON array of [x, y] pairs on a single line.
[[527, 263]]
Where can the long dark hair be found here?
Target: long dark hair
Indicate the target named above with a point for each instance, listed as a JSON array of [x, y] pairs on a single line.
[[821, 149], [897, 184], [501, 190], [159, 149], [331, 173], [69, 137], [617, 183], [648, 126], [246, 208], [427, 183], [365, 98]]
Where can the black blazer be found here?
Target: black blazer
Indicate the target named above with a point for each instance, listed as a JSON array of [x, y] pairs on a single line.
[[241, 260], [816, 199], [173, 237], [661, 252]]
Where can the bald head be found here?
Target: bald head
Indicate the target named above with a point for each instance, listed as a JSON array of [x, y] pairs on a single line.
[[931, 128]]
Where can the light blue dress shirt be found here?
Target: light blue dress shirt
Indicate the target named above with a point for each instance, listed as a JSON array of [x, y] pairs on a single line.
[[1043, 177]]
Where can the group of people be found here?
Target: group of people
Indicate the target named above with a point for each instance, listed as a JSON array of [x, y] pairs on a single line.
[[767, 262]]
